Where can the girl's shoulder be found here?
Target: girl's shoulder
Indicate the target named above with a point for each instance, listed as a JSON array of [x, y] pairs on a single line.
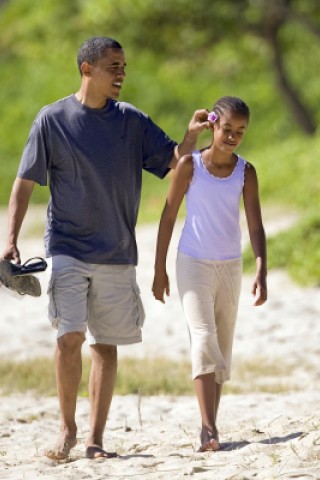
[[249, 168], [250, 177], [185, 166], [247, 164], [186, 160]]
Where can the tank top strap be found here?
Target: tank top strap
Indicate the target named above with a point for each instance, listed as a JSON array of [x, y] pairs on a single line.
[[240, 167], [196, 156], [241, 164], [197, 164]]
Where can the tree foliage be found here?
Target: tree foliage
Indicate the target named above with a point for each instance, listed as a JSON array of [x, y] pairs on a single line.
[[181, 56], [190, 29]]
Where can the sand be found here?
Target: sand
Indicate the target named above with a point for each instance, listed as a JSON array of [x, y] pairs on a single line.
[[264, 436]]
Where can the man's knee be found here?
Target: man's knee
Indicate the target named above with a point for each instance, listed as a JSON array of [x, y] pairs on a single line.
[[107, 353], [70, 342]]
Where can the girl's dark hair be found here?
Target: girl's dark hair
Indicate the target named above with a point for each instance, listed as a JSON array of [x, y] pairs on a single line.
[[94, 49], [233, 104]]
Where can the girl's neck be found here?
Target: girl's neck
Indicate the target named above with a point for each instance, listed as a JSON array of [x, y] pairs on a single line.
[[217, 157], [219, 164]]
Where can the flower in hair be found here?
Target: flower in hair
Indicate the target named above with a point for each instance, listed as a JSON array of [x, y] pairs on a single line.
[[213, 117]]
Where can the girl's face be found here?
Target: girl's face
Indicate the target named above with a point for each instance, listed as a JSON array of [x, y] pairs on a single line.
[[229, 131]]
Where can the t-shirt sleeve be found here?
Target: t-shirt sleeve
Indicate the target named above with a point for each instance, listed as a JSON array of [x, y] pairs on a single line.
[[35, 156], [158, 150]]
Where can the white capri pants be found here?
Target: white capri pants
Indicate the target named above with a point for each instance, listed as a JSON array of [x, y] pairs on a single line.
[[209, 292]]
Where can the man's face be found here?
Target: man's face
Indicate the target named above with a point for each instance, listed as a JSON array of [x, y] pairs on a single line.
[[107, 74]]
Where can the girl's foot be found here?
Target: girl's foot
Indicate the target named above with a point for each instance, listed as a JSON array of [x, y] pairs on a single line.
[[95, 451], [209, 440]]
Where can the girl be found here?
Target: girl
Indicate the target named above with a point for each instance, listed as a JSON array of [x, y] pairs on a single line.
[[209, 263]]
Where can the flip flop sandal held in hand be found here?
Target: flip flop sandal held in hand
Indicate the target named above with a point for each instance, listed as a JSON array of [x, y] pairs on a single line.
[[30, 266], [18, 277]]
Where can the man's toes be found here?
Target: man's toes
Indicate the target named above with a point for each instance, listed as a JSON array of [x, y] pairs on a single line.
[[62, 453]]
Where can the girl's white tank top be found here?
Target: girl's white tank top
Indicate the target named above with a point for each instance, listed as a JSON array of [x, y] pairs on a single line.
[[212, 225]]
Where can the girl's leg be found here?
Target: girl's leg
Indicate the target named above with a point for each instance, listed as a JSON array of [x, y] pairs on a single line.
[[208, 395], [209, 292]]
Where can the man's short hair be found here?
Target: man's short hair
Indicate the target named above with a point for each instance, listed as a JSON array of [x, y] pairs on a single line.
[[94, 48]]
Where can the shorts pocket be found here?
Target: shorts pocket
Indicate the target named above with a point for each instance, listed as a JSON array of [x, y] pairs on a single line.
[[53, 306], [141, 313]]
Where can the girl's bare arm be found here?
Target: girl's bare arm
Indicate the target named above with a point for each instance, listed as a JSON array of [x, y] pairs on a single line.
[[178, 187], [256, 233]]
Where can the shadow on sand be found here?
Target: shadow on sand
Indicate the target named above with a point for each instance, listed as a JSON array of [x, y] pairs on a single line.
[[229, 446]]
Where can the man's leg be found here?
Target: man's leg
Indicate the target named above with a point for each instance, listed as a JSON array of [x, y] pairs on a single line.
[[101, 384], [68, 375], [208, 395]]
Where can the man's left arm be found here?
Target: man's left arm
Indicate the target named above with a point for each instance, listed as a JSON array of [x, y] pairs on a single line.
[[198, 123]]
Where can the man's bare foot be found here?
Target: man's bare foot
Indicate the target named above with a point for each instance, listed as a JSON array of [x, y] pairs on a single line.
[[209, 440], [95, 451], [62, 448]]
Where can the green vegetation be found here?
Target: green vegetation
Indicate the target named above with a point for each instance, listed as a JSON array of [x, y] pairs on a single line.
[[149, 377], [297, 251], [293, 181], [171, 75]]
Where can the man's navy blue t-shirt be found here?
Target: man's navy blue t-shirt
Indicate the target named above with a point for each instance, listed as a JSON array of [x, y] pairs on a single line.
[[93, 161]]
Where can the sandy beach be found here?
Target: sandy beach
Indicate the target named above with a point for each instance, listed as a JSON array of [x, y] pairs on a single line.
[[264, 436]]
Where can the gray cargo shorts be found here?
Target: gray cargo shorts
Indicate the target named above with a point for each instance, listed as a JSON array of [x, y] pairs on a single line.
[[103, 300]]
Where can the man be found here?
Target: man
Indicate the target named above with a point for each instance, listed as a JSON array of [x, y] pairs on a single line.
[[92, 149]]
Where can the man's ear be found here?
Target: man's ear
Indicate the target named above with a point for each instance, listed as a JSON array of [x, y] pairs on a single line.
[[86, 69]]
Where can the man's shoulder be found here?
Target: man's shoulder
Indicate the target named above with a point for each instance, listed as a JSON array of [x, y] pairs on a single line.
[[55, 108], [128, 108]]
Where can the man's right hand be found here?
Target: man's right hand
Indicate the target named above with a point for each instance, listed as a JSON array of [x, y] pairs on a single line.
[[12, 253], [18, 206]]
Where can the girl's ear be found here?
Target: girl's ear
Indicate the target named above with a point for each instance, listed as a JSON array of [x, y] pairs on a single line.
[[211, 127]]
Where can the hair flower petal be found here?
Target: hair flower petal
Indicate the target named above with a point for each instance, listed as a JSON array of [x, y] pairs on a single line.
[[213, 117]]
